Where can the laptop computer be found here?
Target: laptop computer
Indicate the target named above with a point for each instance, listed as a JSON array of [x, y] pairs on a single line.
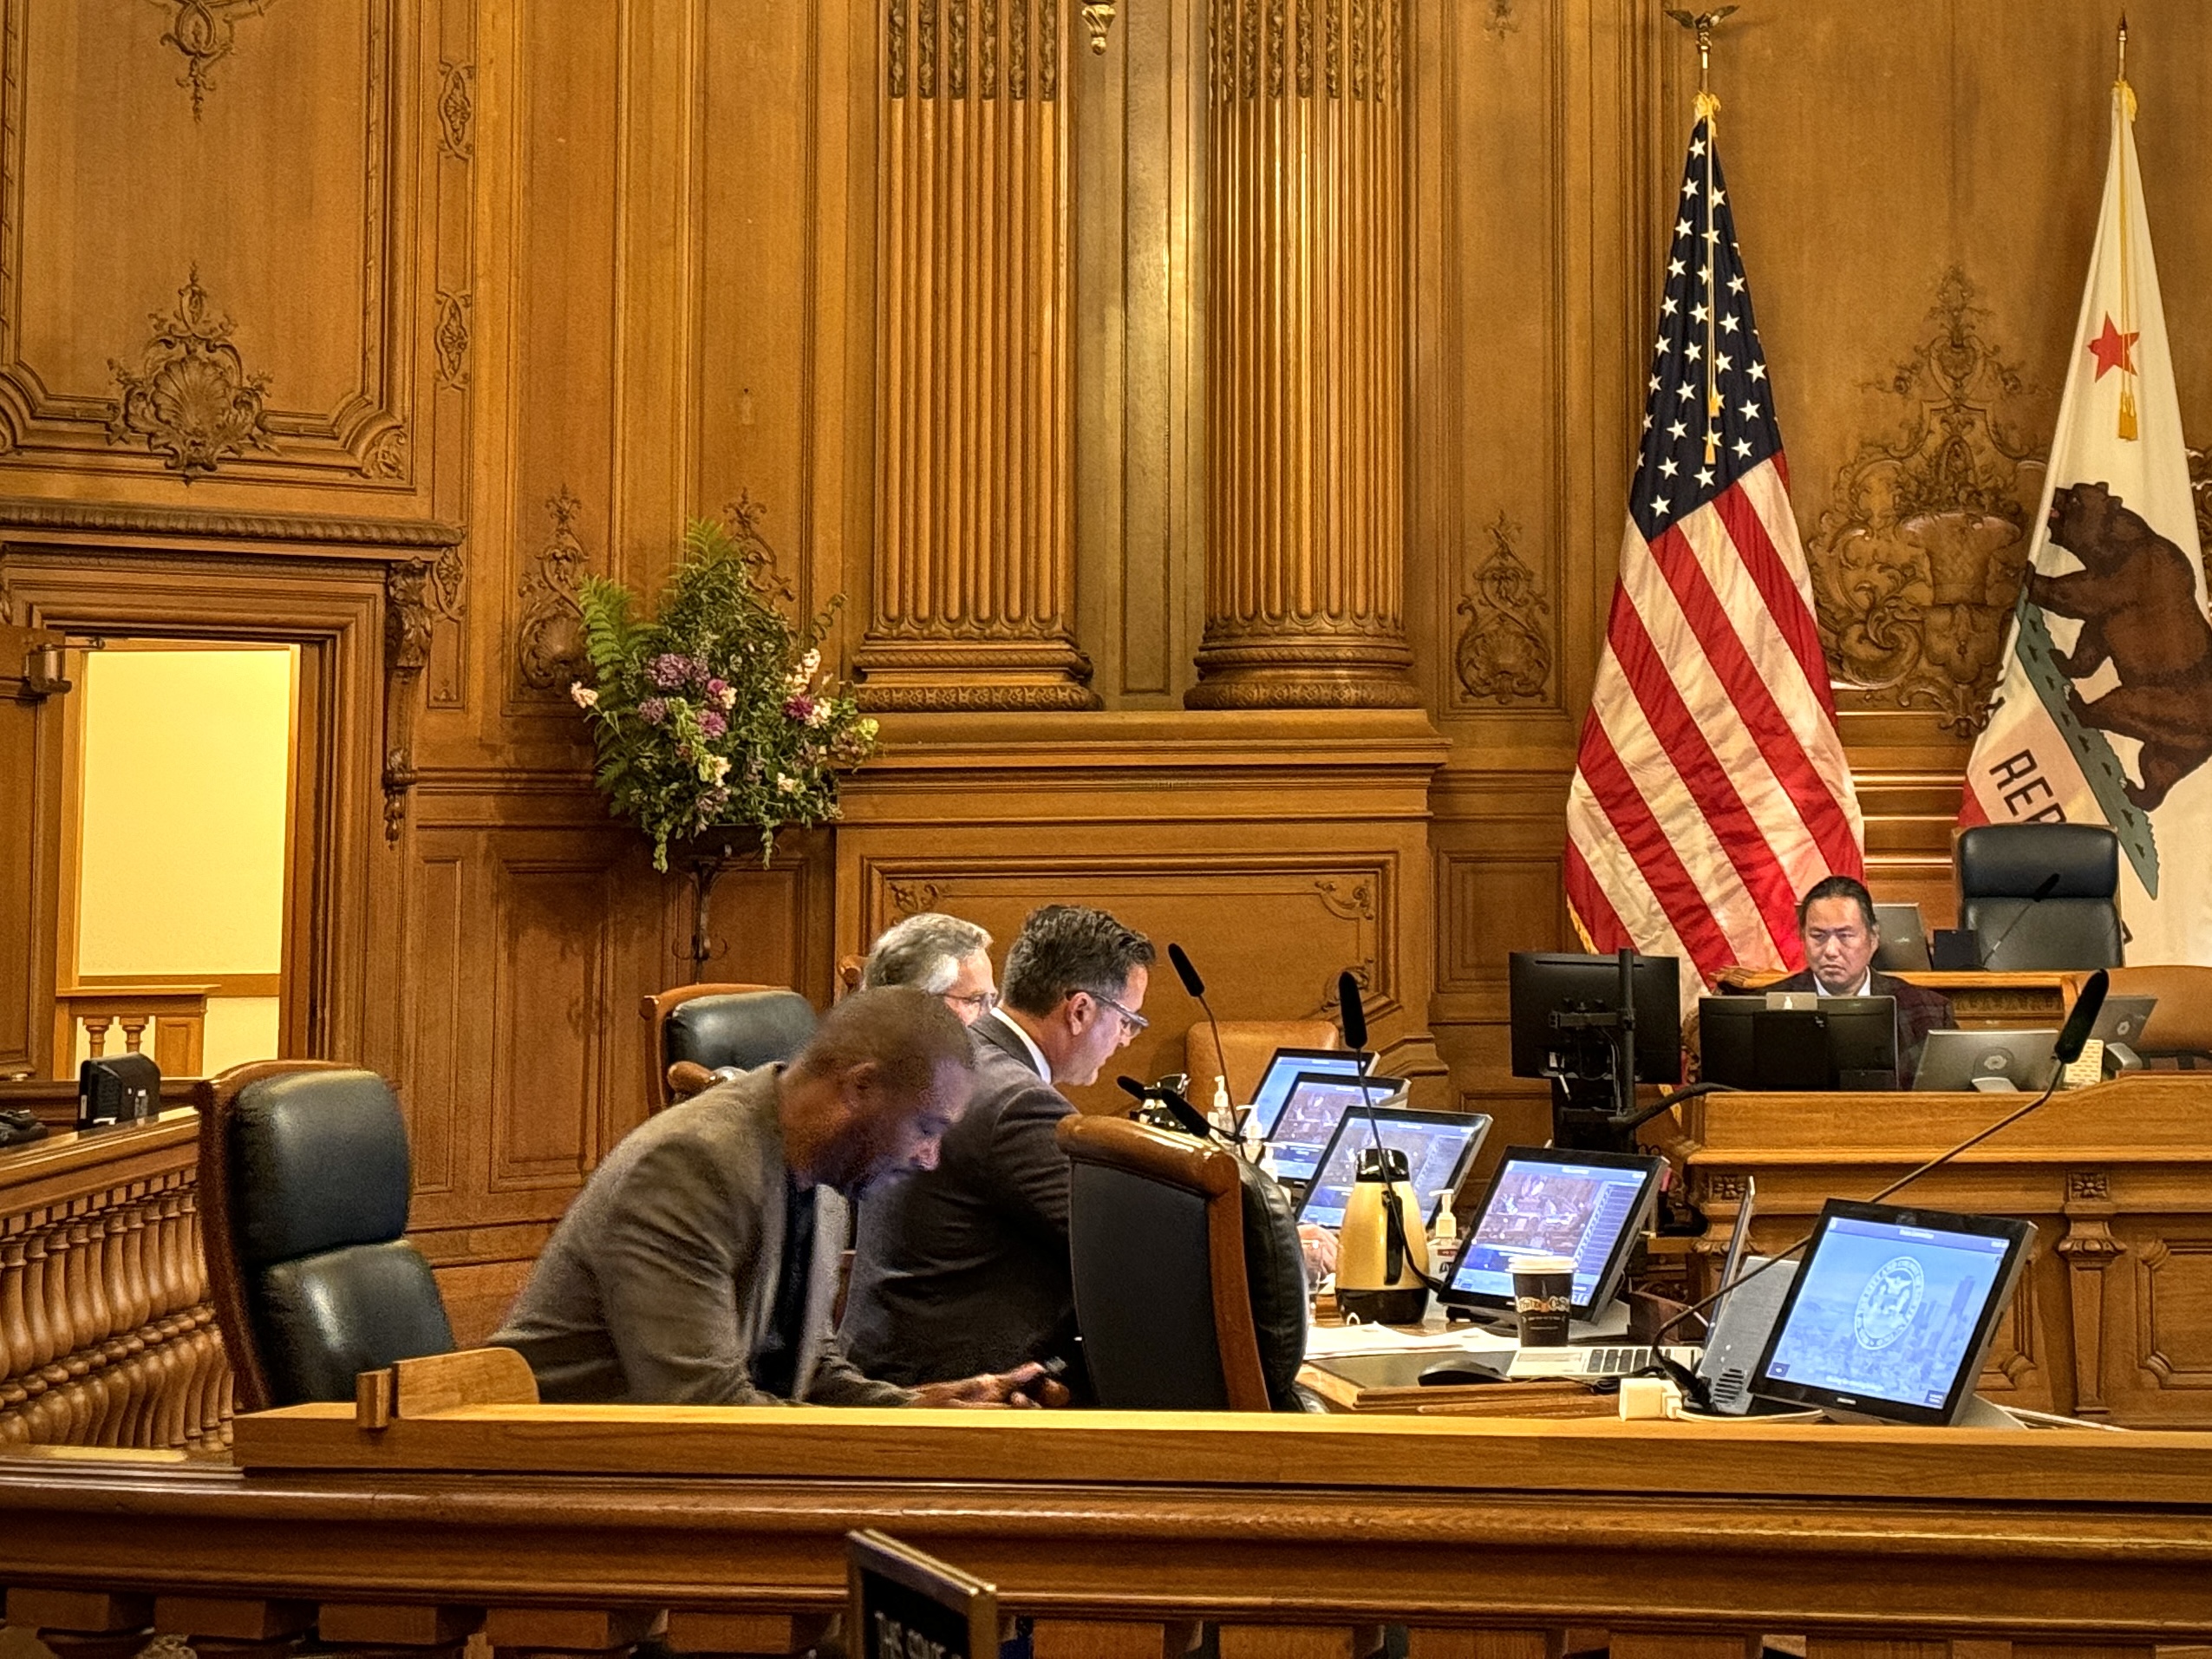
[[1439, 1146], [1904, 941], [1991, 1060]]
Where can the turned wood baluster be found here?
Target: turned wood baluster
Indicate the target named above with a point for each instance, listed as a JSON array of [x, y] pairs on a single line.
[[80, 1273], [192, 1255], [96, 1034], [42, 1290], [14, 1327], [169, 1404], [64, 1301], [103, 1269], [168, 1276], [158, 1382], [138, 1295]]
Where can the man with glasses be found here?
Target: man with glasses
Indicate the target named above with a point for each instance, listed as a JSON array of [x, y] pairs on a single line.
[[971, 1258], [941, 955], [1835, 921]]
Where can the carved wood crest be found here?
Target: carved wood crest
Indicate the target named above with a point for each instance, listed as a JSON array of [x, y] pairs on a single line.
[[206, 32], [191, 399], [549, 640], [1916, 564], [1502, 654]]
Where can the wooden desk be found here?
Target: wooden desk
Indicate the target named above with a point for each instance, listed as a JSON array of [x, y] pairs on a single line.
[[1979, 1001], [573, 1529], [2114, 1315]]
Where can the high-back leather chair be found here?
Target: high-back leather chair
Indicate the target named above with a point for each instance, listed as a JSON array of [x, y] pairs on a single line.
[[1190, 1286], [1248, 1045], [713, 1026], [2077, 925], [303, 1189], [2180, 1029]]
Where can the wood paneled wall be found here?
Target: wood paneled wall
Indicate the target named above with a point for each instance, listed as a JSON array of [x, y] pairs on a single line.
[[443, 304]]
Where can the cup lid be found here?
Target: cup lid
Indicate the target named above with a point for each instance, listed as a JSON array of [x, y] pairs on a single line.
[[1544, 1265]]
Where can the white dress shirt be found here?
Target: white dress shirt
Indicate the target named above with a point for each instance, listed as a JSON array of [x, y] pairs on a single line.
[[1036, 1055]]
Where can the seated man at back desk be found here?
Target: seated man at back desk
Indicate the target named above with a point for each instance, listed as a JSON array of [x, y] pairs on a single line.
[[699, 1264], [1835, 921], [964, 1267]]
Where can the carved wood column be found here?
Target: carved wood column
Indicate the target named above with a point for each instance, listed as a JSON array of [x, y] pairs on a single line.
[[974, 561], [1306, 341]]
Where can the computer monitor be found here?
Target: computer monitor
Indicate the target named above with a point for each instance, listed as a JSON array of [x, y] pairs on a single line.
[[1986, 1060], [1731, 1263], [1904, 939], [1316, 1105], [1892, 1311], [1798, 1040], [1284, 1070], [1541, 984], [1439, 1146], [2122, 1019], [1546, 1201]]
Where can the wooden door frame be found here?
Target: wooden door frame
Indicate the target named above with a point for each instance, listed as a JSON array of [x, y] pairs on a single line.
[[333, 609]]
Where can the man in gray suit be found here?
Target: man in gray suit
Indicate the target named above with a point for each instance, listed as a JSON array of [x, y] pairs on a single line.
[[700, 1261], [964, 1267]]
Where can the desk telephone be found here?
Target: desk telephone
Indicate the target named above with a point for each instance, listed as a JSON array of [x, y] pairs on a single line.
[[17, 1126]]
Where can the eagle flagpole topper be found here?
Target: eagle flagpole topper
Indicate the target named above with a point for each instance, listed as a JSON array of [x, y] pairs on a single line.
[[2103, 711]]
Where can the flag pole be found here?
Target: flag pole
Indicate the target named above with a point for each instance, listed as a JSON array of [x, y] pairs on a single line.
[[1707, 107], [2126, 94]]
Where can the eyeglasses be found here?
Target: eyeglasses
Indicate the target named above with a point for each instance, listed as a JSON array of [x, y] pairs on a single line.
[[1132, 1023], [981, 1001]]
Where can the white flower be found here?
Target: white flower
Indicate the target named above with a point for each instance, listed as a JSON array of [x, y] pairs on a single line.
[[786, 782], [715, 768], [584, 695], [819, 714], [728, 697]]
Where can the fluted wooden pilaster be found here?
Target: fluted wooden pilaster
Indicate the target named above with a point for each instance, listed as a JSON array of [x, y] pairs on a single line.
[[974, 566], [1305, 384]]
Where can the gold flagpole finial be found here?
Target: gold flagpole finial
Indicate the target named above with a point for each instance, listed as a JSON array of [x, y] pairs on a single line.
[[1700, 23], [2124, 49]]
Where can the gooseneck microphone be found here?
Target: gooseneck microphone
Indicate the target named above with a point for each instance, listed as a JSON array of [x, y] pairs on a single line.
[[2073, 1037], [1196, 988], [2044, 889], [1192, 1120]]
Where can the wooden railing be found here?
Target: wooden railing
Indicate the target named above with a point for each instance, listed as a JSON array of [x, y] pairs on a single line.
[[177, 1014], [582, 1529], [107, 1337]]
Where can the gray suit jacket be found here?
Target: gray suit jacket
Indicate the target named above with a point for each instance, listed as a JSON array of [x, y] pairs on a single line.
[[660, 1280], [963, 1269]]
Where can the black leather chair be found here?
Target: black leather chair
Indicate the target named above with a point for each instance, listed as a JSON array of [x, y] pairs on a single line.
[[709, 1027], [2076, 925], [303, 1189], [1190, 1286]]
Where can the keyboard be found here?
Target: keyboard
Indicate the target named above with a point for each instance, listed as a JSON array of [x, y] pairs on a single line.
[[1597, 1359]]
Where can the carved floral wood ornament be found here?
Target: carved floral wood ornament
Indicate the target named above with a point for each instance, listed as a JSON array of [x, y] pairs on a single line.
[[190, 400], [1916, 566], [204, 32], [1502, 654]]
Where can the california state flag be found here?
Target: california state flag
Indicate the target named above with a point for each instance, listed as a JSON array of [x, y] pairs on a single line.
[[2104, 714]]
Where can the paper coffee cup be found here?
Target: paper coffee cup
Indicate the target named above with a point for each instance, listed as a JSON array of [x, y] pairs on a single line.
[[1544, 1293]]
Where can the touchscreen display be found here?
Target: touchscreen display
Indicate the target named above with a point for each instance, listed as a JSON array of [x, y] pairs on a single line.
[[1309, 1117], [1282, 1075], [1435, 1155], [1546, 1208], [1887, 1310]]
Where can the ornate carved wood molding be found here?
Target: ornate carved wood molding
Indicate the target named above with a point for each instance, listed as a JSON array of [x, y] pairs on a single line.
[[1916, 564], [190, 400], [206, 32], [456, 109], [549, 638], [1503, 654], [407, 584], [370, 537]]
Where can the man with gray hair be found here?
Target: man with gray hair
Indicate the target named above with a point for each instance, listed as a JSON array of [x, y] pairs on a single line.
[[938, 954], [970, 1258]]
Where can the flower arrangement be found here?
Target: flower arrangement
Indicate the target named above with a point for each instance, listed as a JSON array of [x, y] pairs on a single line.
[[715, 711]]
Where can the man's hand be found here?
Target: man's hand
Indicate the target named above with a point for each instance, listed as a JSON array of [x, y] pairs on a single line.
[[1024, 1387], [1320, 1245]]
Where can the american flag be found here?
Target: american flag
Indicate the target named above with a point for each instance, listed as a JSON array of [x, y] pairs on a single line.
[[1711, 787]]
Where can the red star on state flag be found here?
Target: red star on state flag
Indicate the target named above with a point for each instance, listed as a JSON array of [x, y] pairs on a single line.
[[2110, 349]]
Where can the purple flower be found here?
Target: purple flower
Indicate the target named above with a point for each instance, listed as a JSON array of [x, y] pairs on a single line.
[[672, 671], [653, 711], [800, 708], [712, 723]]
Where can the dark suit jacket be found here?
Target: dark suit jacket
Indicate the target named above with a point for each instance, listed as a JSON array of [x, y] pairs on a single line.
[[660, 1280], [963, 1269], [1919, 1011]]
